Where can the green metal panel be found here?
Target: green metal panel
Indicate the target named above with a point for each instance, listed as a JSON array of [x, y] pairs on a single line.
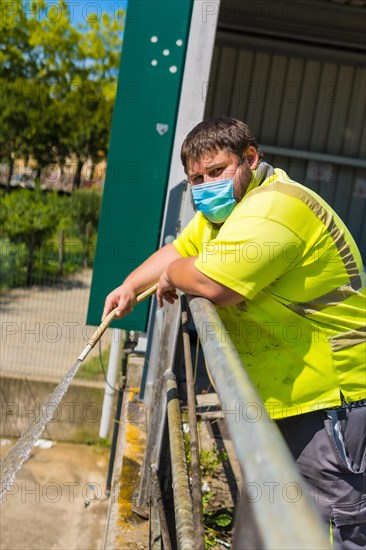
[[142, 135]]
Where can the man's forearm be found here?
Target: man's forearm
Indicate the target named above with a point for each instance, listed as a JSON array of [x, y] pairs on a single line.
[[150, 271], [123, 297], [183, 274]]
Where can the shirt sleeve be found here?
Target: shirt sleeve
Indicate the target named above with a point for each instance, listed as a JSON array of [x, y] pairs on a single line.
[[189, 241], [249, 254]]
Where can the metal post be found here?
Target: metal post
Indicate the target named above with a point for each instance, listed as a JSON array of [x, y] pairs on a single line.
[[113, 364], [199, 531], [182, 497], [166, 359], [128, 348], [112, 454], [156, 493]]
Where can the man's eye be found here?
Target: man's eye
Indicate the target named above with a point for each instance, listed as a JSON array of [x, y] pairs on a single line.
[[216, 172]]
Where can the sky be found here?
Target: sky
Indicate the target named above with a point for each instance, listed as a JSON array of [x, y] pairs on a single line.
[[79, 10]]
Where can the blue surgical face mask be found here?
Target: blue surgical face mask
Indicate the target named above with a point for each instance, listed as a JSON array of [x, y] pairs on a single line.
[[215, 200]]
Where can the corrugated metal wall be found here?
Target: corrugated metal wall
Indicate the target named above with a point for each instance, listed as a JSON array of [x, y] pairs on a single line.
[[306, 106]]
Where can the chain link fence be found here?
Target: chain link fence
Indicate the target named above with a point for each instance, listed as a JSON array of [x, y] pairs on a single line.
[[43, 327]]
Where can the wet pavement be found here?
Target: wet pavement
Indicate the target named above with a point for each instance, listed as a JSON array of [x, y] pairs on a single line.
[[58, 499]]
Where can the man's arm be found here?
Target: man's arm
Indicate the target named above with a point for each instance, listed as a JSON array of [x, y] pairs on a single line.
[[148, 273], [183, 274]]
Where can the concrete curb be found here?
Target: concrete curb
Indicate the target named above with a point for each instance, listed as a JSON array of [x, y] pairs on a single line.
[[124, 528]]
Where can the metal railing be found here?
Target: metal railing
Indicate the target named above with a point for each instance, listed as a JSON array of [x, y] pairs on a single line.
[[260, 450]]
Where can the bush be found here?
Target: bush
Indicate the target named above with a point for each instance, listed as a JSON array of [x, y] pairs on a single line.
[[45, 235], [29, 217]]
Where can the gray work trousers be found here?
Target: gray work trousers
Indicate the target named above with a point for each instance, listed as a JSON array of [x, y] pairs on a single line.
[[329, 447]]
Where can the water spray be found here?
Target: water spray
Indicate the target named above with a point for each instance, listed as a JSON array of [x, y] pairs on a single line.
[[13, 461]]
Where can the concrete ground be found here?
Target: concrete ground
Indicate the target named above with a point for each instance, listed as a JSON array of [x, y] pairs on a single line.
[[57, 501]]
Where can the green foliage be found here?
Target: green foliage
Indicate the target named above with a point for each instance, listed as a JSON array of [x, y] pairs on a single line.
[[91, 369], [100, 445], [85, 207], [16, 59], [13, 267], [217, 524], [58, 83], [220, 520], [30, 217], [30, 230], [206, 499], [210, 459], [84, 211], [101, 43], [187, 448], [210, 538]]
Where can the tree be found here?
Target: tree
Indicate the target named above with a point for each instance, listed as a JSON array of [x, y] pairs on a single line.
[[17, 64], [30, 217], [85, 208], [27, 117], [93, 90], [17, 58], [57, 84]]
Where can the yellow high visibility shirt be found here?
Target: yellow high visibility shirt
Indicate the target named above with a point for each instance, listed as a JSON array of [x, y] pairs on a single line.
[[300, 329]]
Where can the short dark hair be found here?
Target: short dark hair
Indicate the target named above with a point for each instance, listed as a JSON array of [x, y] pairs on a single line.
[[216, 134]]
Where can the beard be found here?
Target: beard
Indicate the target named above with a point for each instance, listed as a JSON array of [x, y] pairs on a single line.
[[242, 179]]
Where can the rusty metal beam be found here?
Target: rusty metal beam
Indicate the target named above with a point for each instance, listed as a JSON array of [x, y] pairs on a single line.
[[182, 497]]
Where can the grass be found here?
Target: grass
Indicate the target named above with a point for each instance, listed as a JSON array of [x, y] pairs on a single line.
[[217, 519], [91, 370], [100, 445], [210, 460]]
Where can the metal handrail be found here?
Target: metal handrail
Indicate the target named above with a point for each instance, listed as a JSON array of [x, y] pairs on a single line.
[[285, 523]]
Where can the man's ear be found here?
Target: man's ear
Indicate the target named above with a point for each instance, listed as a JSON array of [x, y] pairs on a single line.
[[252, 156]]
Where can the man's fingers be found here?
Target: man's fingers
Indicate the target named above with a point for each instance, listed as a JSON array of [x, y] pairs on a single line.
[[122, 298], [106, 310], [123, 313], [110, 303], [169, 296]]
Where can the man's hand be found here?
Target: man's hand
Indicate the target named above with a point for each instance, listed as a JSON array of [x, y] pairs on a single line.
[[144, 276], [166, 291], [122, 297]]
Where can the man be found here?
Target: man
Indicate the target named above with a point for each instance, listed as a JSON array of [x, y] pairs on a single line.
[[286, 277]]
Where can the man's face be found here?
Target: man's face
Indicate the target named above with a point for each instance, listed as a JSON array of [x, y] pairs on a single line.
[[220, 165]]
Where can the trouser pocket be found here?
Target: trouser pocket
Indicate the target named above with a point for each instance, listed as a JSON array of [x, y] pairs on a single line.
[[347, 431], [349, 526]]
